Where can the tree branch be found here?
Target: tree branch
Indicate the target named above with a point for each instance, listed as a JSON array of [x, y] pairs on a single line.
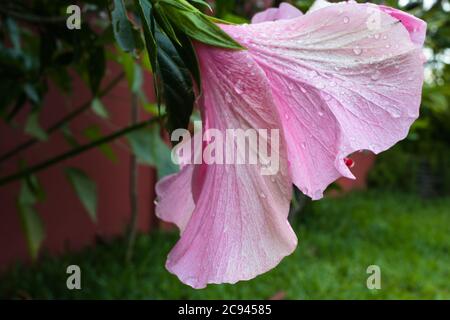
[[31, 17], [75, 113], [134, 209], [74, 152]]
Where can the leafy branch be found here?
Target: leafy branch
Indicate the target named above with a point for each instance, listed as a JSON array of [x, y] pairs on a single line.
[[65, 120], [75, 152]]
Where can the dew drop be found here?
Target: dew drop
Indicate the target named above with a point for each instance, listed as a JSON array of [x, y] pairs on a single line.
[[385, 37], [321, 114], [346, 20], [357, 51], [304, 145], [302, 89], [228, 97], [395, 114], [262, 195], [388, 46], [377, 36], [313, 73], [375, 76], [238, 88], [273, 180], [286, 116]]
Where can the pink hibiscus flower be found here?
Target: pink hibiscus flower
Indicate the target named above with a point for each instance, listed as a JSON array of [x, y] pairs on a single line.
[[343, 77]]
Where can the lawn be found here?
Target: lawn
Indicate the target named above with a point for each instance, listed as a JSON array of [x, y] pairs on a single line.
[[338, 239]]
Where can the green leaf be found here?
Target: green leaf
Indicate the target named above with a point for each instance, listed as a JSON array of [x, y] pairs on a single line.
[[85, 189], [69, 137], [145, 60], [94, 133], [33, 128], [189, 57], [99, 109], [148, 146], [96, 68], [177, 84], [164, 23], [36, 188], [32, 93], [126, 36], [31, 222], [133, 72], [148, 24], [196, 25], [14, 33], [202, 3]]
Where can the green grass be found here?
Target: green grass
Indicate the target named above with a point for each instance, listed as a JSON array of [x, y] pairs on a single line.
[[338, 239]]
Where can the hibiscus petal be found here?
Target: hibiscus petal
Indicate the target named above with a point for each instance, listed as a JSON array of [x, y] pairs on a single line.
[[239, 226], [416, 27], [174, 193], [340, 84], [285, 11]]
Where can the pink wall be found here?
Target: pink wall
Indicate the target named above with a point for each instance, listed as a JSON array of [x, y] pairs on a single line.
[[67, 224]]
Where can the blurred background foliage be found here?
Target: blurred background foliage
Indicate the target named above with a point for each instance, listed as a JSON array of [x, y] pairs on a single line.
[[420, 165], [338, 239]]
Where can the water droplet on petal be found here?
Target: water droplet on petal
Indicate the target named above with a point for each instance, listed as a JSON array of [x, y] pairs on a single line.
[[357, 51], [377, 36], [228, 97], [346, 20], [396, 114], [321, 114], [313, 73], [375, 76], [388, 46], [263, 195], [304, 145], [286, 116], [385, 37], [238, 87]]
